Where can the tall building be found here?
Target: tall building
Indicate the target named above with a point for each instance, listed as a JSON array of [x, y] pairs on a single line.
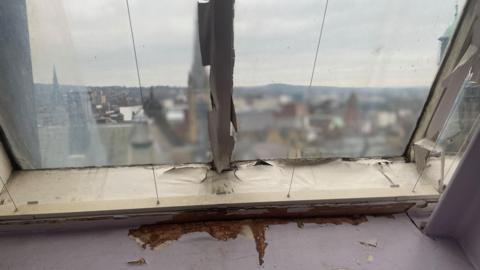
[[352, 114], [78, 130], [197, 85], [18, 119], [447, 35], [56, 95], [55, 79]]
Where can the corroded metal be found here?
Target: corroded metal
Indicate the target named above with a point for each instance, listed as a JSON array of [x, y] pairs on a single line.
[[215, 19]]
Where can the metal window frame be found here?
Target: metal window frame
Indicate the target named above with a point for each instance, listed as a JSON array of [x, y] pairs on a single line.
[[429, 124], [5, 165], [434, 113], [441, 99]]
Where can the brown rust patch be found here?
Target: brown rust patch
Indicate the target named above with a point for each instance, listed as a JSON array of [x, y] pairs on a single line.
[[291, 212], [155, 235]]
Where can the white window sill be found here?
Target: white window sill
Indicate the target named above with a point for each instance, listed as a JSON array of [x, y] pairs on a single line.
[[100, 190]]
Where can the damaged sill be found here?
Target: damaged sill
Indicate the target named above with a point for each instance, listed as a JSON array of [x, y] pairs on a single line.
[[131, 190]]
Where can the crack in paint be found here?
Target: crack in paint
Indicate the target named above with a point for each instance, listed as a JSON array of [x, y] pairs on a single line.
[[159, 235]]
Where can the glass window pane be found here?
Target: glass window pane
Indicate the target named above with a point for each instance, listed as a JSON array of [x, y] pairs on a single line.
[[375, 64], [462, 123], [87, 90]]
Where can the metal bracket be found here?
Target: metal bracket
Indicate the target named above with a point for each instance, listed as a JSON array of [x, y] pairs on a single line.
[[425, 148], [381, 168]]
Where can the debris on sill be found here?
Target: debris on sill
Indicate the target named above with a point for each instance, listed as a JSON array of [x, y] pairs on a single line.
[[300, 224], [369, 243], [260, 162], [222, 184], [159, 235], [140, 261]]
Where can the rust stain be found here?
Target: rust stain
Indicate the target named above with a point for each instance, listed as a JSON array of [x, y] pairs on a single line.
[[156, 235], [235, 213]]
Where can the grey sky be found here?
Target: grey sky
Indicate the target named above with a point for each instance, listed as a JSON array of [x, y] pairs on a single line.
[[365, 42]]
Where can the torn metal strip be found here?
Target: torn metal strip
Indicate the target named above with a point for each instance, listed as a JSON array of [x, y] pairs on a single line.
[[476, 42], [457, 46], [215, 19], [453, 84], [466, 70], [423, 150]]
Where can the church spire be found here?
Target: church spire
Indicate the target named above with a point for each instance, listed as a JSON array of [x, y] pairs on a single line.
[[447, 35], [197, 83], [55, 79], [56, 96]]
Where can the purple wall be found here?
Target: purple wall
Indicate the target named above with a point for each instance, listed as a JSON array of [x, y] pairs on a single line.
[[400, 246], [457, 215], [470, 241]]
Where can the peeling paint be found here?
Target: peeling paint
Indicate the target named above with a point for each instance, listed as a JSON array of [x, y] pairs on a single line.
[[159, 235]]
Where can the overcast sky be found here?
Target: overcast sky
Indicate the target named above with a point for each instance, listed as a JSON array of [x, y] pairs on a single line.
[[365, 42]]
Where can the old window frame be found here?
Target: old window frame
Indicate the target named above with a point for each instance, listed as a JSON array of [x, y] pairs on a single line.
[[440, 101], [116, 208]]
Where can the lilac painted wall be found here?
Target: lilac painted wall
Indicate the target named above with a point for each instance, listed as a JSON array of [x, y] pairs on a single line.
[[470, 241], [457, 214], [400, 246]]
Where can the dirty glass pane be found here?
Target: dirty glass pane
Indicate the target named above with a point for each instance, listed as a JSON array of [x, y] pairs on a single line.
[[461, 125], [86, 89], [376, 62]]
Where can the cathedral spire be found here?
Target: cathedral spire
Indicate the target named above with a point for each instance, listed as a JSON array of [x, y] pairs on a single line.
[[56, 96], [197, 83], [55, 79]]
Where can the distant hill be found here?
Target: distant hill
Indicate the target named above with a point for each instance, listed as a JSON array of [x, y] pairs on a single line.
[[269, 89], [289, 89]]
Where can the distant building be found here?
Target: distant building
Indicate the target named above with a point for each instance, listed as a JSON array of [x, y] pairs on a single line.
[[128, 112], [447, 35], [197, 85], [352, 114], [79, 137], [50, 103], [56, 95]]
